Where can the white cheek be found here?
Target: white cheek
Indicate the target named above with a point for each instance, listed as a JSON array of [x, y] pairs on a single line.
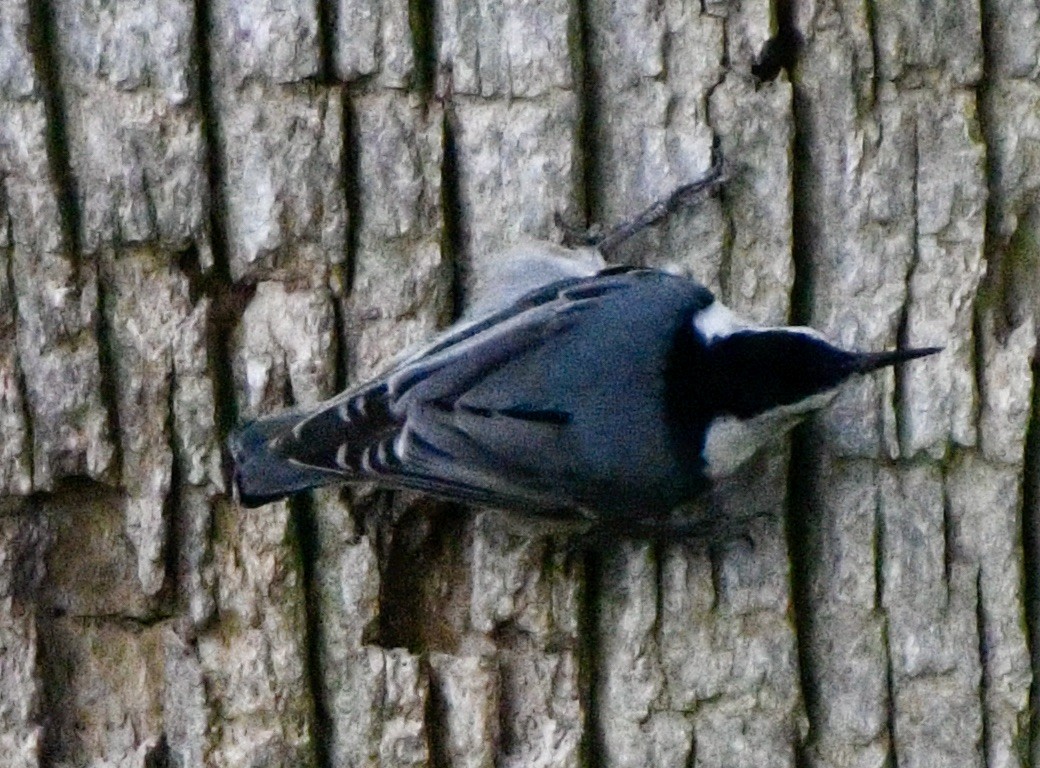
[[717, 321]]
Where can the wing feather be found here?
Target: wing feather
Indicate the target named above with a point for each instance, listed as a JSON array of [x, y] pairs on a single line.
[[408, 428]]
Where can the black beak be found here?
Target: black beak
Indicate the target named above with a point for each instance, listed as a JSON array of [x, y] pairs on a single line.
[[865, 362]]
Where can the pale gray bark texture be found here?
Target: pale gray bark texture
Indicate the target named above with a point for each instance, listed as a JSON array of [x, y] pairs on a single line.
[[213, 208]]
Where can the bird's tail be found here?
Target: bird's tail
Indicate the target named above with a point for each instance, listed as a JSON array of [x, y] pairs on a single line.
[[261, 475], [865, 362]]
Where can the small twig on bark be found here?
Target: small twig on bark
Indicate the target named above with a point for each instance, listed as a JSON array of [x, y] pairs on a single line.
[[608, 242]]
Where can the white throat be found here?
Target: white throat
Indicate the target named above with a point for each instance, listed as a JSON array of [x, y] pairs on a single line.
[[730, 441]]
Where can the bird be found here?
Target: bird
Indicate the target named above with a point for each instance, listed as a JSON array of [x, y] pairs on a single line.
[[607, 393]]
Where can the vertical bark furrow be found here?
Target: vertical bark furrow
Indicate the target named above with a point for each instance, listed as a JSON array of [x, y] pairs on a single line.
[[56, 294], [276, 141], [1008, 96], [15, 415], [42, 39], [1028, 743], [24, 709]]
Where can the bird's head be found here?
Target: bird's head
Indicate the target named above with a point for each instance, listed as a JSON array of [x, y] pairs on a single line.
[[757, 383]]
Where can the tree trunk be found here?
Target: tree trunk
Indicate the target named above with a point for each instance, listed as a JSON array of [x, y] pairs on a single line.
[[210, 209]]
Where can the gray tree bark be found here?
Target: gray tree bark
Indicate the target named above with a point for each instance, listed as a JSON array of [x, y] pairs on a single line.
[[212, 208]]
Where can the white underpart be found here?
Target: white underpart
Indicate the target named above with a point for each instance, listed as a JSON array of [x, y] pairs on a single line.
[[731, 441]]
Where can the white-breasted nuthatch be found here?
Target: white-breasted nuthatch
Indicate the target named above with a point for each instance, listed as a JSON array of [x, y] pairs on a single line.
[[603, 392], [624, 392]]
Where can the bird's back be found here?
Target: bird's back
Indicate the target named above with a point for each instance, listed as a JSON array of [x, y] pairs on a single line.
[[611, 444]]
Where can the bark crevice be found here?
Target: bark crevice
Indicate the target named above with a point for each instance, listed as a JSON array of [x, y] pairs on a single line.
[[1031, 563]]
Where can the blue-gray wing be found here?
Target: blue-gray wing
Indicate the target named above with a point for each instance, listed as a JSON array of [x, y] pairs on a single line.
[[553, 403]]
